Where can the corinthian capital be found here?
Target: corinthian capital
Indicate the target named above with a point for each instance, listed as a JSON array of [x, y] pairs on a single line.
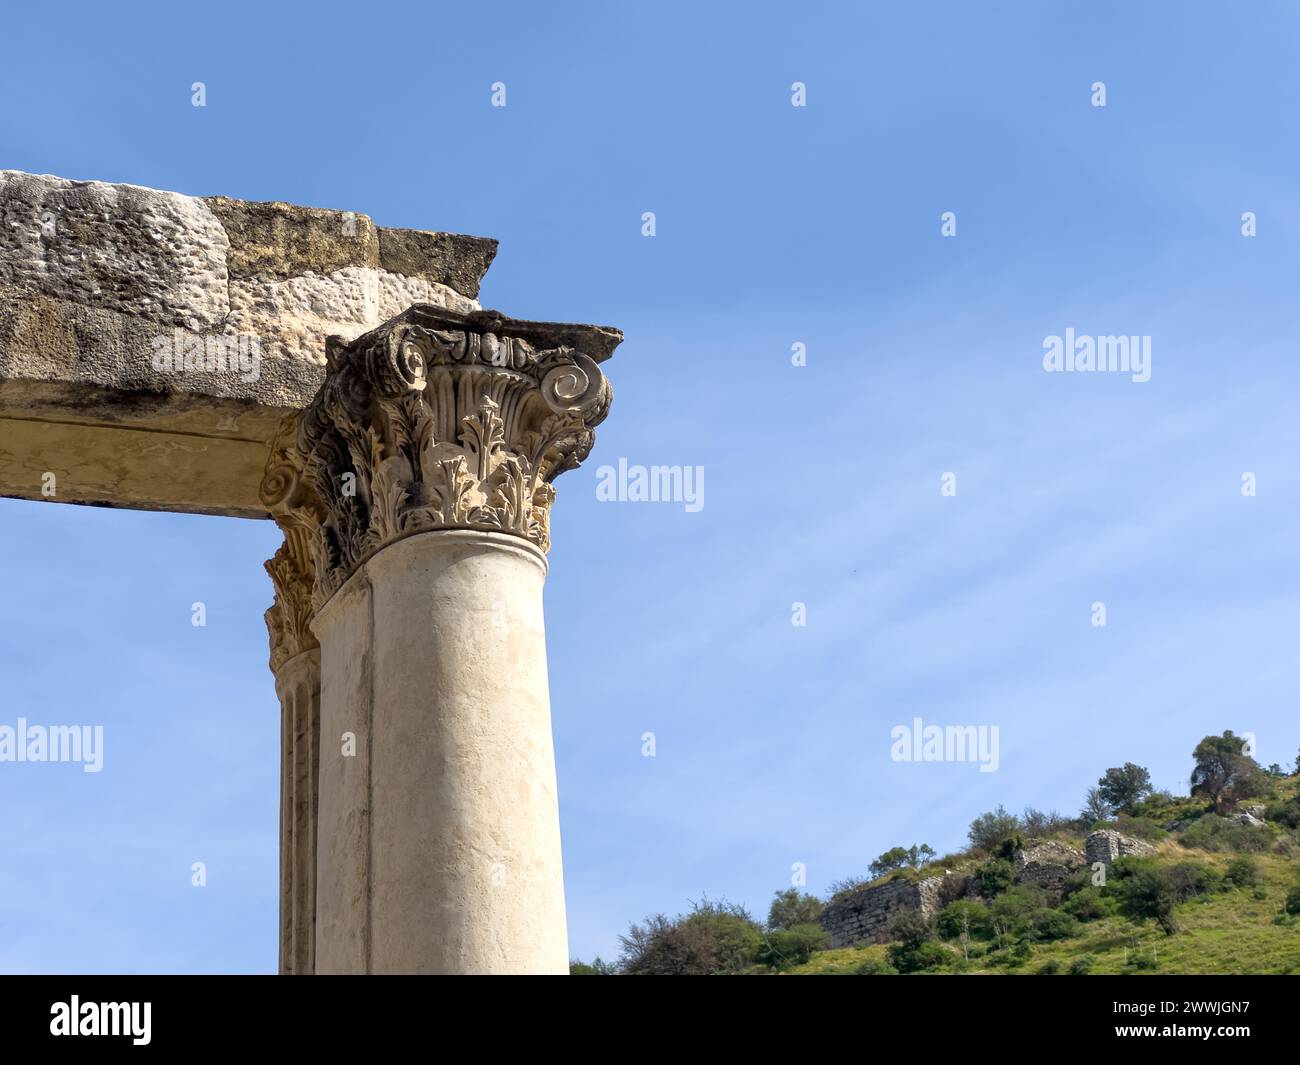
[[438, 420], [293, 568]]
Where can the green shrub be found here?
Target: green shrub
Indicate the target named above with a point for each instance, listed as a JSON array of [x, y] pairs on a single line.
[[916, 949], [1242, 871], [1192, 879], [792, 907], [993, 877], [1142, 962], [1049, 968], [963, 915], [1160, 805], [1144, 892], [1292, 904], [1081, 966], [1142, 828], [911, 928], [1009, 847], [1284, 813], [1075, 882], [1048, 924], [1015, 908], [784, 947], [918, 958], [1220, 834], [896, 858], [714, 938], [1089, 904], [876, 968], [988, 831]]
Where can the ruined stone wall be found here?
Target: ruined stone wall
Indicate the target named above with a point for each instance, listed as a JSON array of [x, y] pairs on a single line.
[[1047, 865], [865, 915], [1106, 845]]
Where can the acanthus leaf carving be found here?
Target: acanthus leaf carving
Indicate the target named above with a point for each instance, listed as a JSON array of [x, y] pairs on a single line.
[[293, 567], [436, 420]]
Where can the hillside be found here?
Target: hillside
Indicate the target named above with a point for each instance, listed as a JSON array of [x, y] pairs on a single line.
[[1231, 932], [1140, 882]]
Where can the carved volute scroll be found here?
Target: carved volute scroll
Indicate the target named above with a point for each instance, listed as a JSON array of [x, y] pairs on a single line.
[[434, 420]]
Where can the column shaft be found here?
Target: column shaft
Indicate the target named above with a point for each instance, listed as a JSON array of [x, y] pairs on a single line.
[[439, 840]]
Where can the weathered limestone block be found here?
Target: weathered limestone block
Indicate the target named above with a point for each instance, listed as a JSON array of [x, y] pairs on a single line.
[[97, 280], [158, 256], [1105, 845]]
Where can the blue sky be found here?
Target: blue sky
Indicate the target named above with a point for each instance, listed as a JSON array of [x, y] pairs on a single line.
[[775, 225]]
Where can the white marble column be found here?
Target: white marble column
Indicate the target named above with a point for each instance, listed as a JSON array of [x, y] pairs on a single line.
[[422, 472], [435, 655]]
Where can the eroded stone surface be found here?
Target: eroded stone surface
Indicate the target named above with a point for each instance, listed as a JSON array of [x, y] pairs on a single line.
[[153, 255], [1047, 864], [97, 279], [444, 258], [865, 915], [1105, 845]]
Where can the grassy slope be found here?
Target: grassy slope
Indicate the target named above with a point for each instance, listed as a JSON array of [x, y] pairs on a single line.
[[1231, 932]]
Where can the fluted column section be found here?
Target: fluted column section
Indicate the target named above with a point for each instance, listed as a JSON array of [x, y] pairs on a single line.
[[298, 686]]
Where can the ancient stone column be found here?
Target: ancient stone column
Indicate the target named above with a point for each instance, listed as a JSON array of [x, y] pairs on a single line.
[[423, 473], [295, 662]]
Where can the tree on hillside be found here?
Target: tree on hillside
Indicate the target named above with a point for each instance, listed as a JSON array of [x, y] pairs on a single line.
[[1095, 808], [915, 949], [791, 907], [989, 830], [1224, 772], [902, 857], [785, 947], [1146, 892], [1038, 823], [1125, 787], [715, 938]]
